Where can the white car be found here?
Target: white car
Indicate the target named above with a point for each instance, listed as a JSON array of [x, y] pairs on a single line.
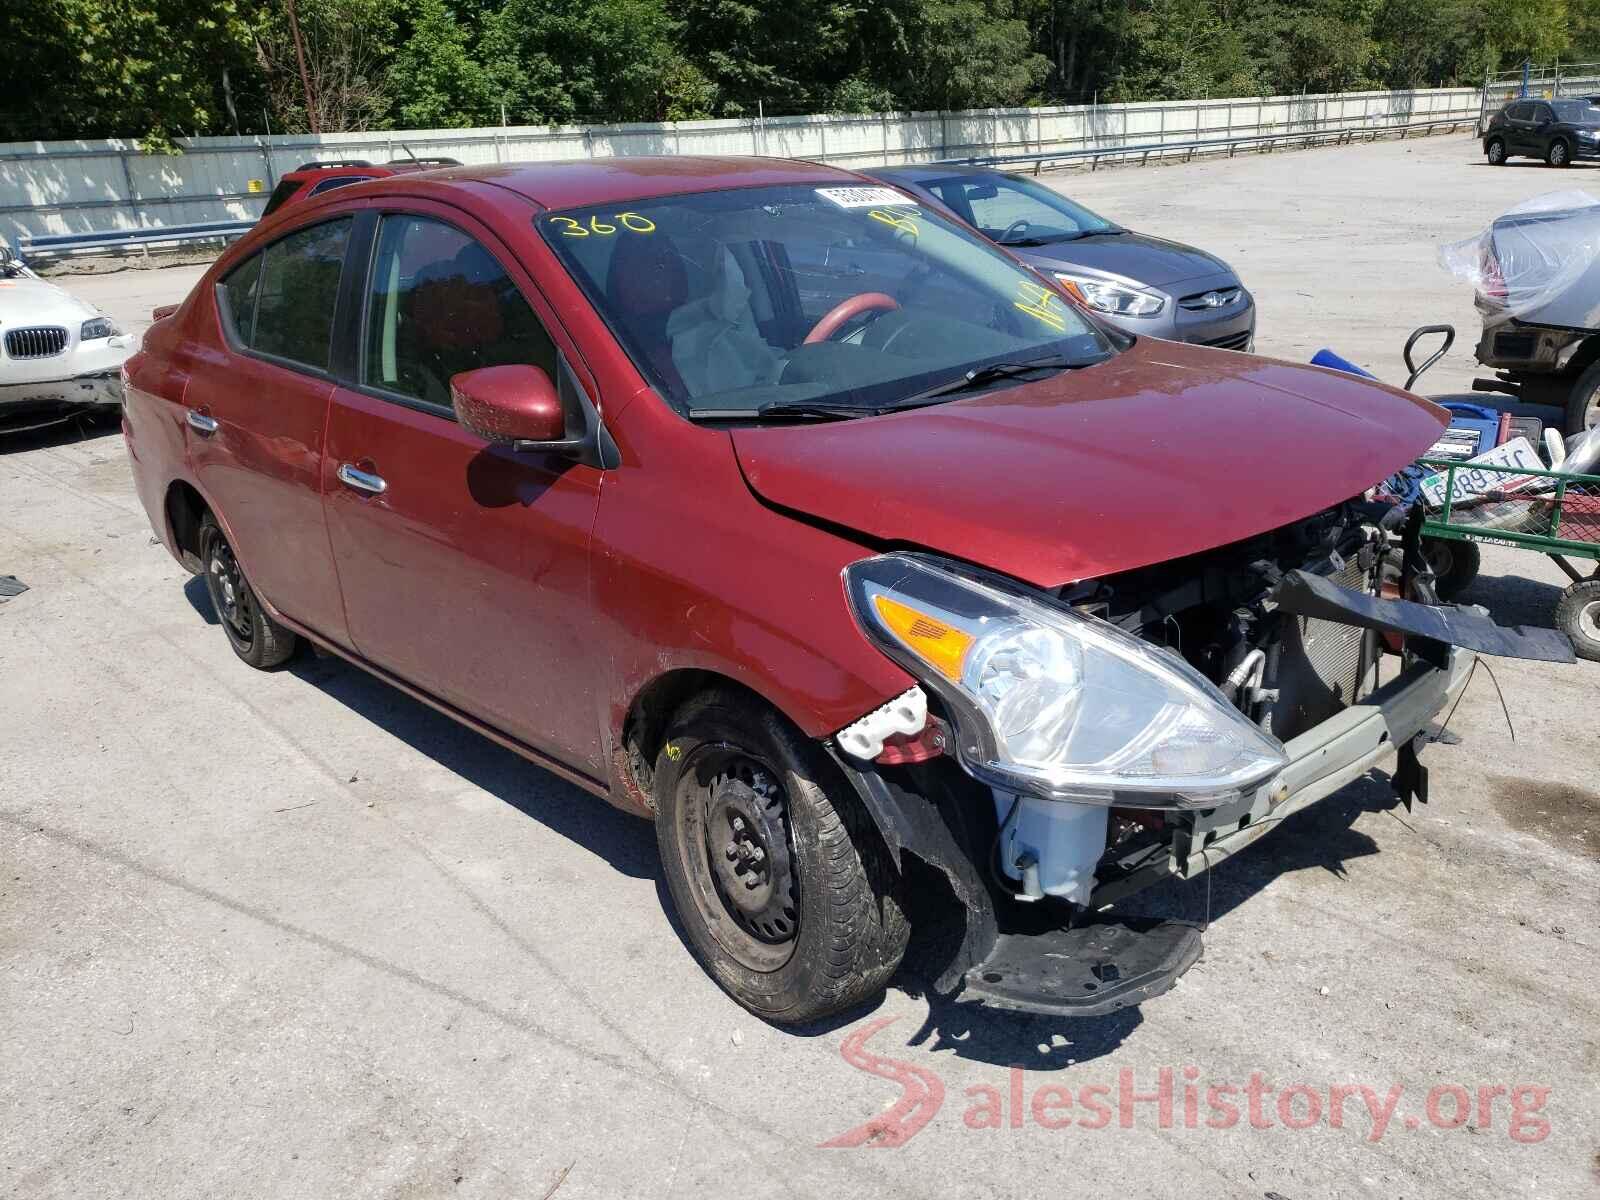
[[58, 354]]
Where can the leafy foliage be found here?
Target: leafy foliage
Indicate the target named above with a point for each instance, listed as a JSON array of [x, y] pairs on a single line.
[[162, 68]]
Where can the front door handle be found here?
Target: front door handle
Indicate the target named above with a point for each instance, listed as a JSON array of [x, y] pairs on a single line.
[[362, 481], [201, 421]]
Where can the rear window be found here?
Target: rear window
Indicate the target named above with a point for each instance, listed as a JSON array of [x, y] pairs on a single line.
[[281, 301], [280, 195]]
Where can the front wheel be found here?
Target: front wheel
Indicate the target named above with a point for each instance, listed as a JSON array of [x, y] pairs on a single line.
[[255, 637], [1495, 151], [1559, 155], [784, 891], [1578, 616]]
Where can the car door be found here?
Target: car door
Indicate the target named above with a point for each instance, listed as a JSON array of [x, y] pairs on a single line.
[[1541, 128], [464, 565], [1519, 128], [257, 406]]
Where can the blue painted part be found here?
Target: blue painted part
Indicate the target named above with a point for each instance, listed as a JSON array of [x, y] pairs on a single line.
[[1327, 358]]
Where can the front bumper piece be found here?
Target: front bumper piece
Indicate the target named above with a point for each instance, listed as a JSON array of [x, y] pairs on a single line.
[[1109, 963]]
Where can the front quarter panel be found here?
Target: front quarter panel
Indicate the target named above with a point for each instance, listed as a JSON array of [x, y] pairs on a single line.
[[693, 572]]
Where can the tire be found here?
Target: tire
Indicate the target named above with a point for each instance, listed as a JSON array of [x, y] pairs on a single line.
[[1455, 564], [1495, 150], [1583, 402], [1559, 154], [818, 926], [1578, 616], [255, 637]]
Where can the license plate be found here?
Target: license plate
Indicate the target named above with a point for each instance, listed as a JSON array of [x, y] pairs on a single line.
[[1517, 454]]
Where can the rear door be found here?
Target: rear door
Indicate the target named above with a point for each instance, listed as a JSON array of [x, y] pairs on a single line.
[[257, 405], [464, 566], [1519, 124]]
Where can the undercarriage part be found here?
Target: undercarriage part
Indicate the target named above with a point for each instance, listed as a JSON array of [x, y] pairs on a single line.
[[1087, 970]]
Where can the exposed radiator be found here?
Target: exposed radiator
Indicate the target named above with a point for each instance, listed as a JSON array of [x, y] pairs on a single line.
[[1318, 667]]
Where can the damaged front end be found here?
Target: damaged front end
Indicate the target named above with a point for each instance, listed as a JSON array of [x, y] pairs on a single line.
[[1066, 750]]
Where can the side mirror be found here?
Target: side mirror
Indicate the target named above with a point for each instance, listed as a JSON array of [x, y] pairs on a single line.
[[515, 405]]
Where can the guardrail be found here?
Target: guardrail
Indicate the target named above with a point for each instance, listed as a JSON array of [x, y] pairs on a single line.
[[1310, 137], [117, 239]]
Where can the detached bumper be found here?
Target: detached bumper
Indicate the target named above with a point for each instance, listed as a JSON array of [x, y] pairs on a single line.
[[1322, 760]]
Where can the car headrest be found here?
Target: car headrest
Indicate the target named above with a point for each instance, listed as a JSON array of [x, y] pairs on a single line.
[[647, 277]]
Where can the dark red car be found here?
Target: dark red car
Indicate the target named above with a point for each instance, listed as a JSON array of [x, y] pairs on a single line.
[[758, 500], [318, 178]]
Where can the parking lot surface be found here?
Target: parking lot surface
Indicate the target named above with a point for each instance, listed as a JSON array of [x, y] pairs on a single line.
[[294, 934]]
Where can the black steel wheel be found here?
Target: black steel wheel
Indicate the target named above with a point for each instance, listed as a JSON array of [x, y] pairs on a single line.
[[255, 637], [780, 881], [1578, 616], [1495, 151]]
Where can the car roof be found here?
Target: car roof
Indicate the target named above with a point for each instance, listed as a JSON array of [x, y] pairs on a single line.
[[573, 183], [924, 172]]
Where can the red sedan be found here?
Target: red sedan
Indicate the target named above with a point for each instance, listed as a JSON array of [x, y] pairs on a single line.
[[761, 501]]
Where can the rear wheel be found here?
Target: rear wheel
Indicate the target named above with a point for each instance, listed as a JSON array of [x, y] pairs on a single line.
[[784, 891], [1578, 616], [254, 636], [1495, 150], [1559, 154]]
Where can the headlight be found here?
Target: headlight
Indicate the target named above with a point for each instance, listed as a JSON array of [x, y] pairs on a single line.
[[1053, 703], [1112, 298], [99, 327]]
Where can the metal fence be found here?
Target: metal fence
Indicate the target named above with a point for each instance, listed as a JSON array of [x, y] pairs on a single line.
[[68, 187], [1546, 83]]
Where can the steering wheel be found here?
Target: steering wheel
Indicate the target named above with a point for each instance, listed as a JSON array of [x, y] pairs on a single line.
[[847, 310], [1018, 226]]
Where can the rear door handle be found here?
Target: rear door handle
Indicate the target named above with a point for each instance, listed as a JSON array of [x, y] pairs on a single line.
[[362, 481], [201, 421]]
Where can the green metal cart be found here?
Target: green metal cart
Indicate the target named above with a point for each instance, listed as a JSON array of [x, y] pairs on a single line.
[[1552, 512]]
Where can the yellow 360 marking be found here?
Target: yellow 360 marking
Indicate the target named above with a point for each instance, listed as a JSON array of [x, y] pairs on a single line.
[[895, 220], [631, 221], [1035, 299]]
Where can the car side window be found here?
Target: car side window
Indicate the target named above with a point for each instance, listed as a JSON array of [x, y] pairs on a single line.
[[238, 298], [439, 304], [1520, 111], [1541, 113], [281, 301]]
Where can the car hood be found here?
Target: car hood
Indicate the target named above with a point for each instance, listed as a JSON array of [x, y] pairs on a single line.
[[1164, 451], [26, 301], [1136, 256]]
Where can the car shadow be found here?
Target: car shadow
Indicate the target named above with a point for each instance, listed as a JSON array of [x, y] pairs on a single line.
[[1321, 837], [80, 426], [1514, 600], [624, 842]]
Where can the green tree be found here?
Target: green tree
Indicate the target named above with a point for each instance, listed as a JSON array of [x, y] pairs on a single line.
[[436, 80], [103, 68]]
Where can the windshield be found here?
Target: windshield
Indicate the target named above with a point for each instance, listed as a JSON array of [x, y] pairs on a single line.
[[1017, 212], [739, 301], [1577, 112]]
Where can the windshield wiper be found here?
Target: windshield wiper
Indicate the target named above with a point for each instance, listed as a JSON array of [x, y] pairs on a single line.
[[1043, 239], [981, 377], [818, 410]]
